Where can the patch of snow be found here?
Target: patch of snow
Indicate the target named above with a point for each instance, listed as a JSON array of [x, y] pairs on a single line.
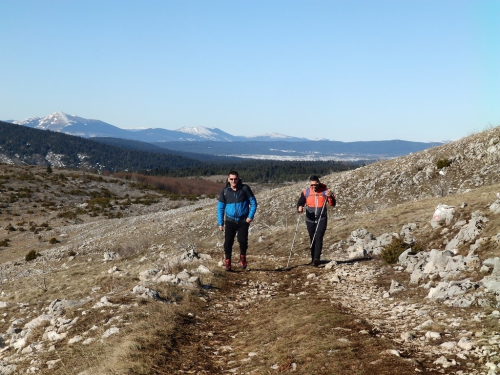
[[271, 135], [197, 130]]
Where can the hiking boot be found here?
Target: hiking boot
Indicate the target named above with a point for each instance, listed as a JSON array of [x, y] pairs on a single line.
[[316, 262], [228, 265], [243, 261]]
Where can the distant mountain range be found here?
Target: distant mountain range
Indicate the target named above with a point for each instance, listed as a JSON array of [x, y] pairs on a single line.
[[89, 128], [213, 141], [29, 146]]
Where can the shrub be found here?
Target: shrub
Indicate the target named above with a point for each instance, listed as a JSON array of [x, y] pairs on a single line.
[[32, 255], [443, 163], [4, 243], [67, 215], [10, 228], [53, 241], [390, 254]]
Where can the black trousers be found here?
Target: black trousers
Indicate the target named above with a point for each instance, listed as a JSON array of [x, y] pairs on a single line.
[[230, 231], [317, 245]]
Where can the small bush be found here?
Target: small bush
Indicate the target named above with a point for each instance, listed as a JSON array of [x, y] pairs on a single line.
[[32, 255], [53, 241], [443, 163], [390, 254], [4, 243]]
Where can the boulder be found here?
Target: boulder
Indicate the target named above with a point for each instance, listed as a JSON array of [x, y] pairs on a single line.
[[443, 214], [469, 231], [396, 287], [453, 292], [495, 207], [492, 281], [189, 256], [407, 233], [144, 292]]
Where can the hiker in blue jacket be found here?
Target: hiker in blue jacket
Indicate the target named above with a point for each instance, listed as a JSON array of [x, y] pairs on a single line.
[[238, 203]]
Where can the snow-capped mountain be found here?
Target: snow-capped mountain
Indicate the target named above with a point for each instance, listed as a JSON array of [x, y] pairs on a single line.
[[74, 125], [209, 134], [55, 121], [88, 128]]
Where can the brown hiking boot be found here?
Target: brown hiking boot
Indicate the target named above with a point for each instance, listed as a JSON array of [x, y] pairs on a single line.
[[228, 265]]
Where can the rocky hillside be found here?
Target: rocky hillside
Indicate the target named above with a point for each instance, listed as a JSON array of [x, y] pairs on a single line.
[[145, 292]]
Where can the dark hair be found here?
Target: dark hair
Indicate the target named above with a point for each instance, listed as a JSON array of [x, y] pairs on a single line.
[[313, 177], [233, 173]]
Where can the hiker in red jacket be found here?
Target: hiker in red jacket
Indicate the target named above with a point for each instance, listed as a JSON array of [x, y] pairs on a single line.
[[314, 198]]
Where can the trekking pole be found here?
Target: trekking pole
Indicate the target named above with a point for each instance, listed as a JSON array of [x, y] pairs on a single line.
[[317, 224], [296, 227]]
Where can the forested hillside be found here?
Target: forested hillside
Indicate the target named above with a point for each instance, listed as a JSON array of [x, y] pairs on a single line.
[[31, 146]]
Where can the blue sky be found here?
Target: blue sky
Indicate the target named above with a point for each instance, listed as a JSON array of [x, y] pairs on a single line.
[[346, 70]]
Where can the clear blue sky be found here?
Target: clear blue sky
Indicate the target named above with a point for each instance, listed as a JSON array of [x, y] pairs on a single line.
[[421, 70]]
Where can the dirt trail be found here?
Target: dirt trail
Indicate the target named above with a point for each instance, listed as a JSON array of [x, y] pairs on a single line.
[[267, 321]]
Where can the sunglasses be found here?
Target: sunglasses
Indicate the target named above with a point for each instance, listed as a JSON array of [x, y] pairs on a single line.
[[313, 185], [233, 179]]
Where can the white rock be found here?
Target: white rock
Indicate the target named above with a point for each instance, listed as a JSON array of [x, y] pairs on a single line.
[[75, 339], [432, 335], [110, 331], [392, 352], [444, 362], [203, 269], [52, 364], [19, 344], [54, 336], [465, 343], [448, 344]]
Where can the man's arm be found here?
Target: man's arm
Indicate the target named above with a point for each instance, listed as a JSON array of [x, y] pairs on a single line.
[[301, 203], [253, 207]]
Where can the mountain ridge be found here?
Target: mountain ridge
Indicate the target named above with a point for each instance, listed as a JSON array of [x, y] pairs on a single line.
[[213, 141], [75, 125]]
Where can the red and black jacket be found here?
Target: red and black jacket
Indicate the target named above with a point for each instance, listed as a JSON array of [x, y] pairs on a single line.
[[313, 201]]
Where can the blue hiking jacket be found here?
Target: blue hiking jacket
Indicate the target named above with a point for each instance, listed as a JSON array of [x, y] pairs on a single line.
[[237, 205]]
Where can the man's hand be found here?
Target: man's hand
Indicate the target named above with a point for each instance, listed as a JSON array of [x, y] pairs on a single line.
[[300, 209], [221, 227], [248, 220]]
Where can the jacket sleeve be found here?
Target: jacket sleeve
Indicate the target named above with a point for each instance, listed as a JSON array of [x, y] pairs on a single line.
[[253, 207], [332, 201], [252, 201], [302, 200], [221, 207]]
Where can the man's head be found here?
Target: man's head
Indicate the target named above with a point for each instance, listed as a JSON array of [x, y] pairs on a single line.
[[233, 178], [313, 181]]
